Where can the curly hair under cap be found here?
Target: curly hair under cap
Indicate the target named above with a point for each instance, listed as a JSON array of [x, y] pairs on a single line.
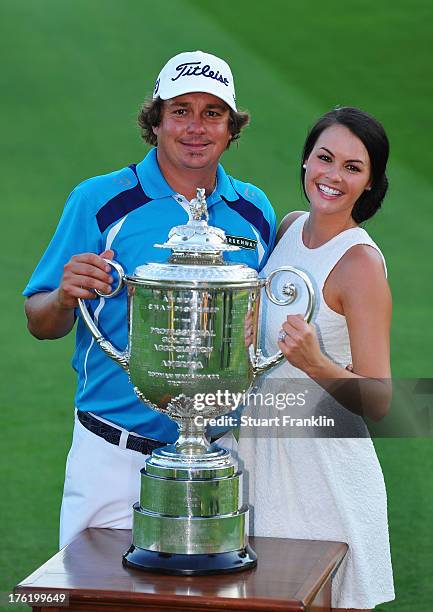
[[151, 113]]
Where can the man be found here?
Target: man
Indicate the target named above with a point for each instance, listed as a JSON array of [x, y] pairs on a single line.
[[192, 119]]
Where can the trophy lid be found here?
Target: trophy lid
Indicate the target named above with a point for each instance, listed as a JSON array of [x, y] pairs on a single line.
[[197, 253], [196, 237], [197, 241]]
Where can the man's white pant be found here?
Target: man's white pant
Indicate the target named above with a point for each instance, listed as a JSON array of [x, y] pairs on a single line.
[[102, 482]]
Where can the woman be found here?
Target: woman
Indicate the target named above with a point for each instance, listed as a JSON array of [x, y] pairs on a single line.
[[333, 489]]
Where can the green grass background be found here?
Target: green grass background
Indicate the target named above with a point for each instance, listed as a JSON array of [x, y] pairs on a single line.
[[73, 75]]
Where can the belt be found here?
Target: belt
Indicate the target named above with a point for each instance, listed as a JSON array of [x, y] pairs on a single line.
[[112, 434]]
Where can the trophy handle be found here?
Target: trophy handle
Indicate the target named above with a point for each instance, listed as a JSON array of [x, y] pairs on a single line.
[[120, 357], [259, 362]]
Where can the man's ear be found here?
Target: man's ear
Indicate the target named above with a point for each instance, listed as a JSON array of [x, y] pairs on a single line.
[[155, 129]]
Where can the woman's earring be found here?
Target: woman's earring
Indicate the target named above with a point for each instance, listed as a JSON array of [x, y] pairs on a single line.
[[304, 166]]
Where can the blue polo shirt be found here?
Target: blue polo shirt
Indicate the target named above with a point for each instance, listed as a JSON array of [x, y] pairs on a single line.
[[128, 211]]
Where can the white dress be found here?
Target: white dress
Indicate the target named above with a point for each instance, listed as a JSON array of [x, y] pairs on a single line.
[[320, 488]]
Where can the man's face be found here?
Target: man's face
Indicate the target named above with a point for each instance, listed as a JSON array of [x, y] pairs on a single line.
[[194, 131]]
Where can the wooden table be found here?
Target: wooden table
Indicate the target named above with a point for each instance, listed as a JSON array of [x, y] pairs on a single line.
[[291, 575]]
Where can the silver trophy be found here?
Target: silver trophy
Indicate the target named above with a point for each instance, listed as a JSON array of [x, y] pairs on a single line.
[[187, 338]]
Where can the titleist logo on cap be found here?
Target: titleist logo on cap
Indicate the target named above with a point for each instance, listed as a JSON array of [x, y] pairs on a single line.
[[196, 69], [196, 72]]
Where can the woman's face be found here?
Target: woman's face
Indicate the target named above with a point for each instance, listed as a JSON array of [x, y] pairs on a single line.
[[337, 171]]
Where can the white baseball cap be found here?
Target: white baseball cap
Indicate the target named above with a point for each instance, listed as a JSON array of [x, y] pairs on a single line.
[[195, 71]]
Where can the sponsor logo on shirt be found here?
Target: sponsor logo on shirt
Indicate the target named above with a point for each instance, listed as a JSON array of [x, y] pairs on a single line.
[[240, 241]]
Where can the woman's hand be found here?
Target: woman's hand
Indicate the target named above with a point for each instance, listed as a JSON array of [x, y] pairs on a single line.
[[299, 344]]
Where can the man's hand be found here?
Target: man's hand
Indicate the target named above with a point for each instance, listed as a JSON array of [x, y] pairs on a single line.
[[81, 276], [51, 314]]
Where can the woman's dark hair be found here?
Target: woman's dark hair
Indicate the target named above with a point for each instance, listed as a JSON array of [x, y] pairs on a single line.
[[151, 113], [372, 134]]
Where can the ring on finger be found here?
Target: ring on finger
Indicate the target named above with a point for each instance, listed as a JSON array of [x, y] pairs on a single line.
[[282, 335]]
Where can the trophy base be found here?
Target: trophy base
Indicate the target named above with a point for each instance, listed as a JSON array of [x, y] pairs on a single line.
[[188, 565]]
